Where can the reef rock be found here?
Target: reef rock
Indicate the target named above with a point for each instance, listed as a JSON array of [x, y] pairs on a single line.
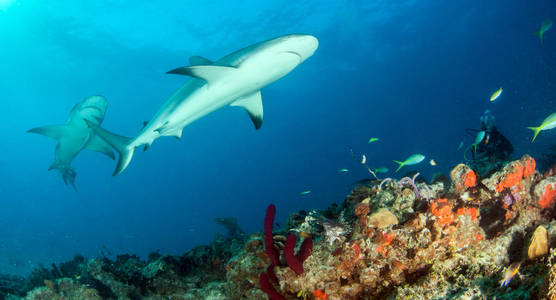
[[517, 176], [463, 177], [64, 288]]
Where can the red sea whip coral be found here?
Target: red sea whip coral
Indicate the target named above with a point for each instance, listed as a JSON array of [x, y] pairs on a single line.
[[268, 239], [266, 287], [295, 262]]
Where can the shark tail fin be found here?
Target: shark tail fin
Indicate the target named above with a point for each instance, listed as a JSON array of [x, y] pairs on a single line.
[[120, 143], [401, 163], [536, 130]]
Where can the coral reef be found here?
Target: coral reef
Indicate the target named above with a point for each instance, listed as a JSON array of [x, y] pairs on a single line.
[[198, 274], [470, 237]]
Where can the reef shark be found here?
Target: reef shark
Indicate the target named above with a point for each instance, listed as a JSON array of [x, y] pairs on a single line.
[[235, 80], [76, 135]]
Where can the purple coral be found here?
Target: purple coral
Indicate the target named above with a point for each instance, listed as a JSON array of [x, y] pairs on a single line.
[[407, 180], [508, 200], [384, 181]]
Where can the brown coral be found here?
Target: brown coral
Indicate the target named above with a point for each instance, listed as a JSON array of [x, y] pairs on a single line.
[[361, 211]]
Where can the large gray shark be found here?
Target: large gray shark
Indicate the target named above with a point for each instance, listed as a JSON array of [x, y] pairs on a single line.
[[235, 79], [76, 135]]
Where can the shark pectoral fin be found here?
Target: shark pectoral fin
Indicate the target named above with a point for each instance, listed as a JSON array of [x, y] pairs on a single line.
[[99, 145], [199, 60], [207, 73], [162, 127], [167, 130], [253, 104], [54, 131]]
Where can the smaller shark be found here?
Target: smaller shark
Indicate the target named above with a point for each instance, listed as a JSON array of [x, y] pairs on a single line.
[[76, 135]]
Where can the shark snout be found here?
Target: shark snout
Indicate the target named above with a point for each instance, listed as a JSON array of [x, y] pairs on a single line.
[[303, 45], [311, 42], [95, 102], [93, 109]]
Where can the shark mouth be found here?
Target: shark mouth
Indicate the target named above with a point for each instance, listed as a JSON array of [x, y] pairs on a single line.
[[93, 107], [98, 117], [295, 53]]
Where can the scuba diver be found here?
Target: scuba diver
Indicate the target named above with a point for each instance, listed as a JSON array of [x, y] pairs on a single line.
[[490, 149]]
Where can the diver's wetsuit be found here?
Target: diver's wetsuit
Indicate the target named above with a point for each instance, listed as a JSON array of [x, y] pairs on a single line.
[[492, 152], [495, 146]]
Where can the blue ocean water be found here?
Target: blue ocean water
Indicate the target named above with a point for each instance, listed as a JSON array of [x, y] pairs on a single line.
[[416, 74]]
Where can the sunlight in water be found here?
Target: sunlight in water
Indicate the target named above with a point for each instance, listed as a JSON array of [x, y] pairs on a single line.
[[4, 4]]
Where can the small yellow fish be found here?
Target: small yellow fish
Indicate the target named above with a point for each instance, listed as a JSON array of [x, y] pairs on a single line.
[[510, 273], [373, 139], [496, 94], [546, 25], [305, 192], [548, 123], [305, 234], [363, 159], [381, 170], [344, 170], [432, 162]]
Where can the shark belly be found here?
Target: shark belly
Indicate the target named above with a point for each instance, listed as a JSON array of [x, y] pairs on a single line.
[[68, 148]]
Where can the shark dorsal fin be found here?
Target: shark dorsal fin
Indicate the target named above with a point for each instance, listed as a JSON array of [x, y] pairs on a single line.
[[199, 60], [253, 104], [207, 73]]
